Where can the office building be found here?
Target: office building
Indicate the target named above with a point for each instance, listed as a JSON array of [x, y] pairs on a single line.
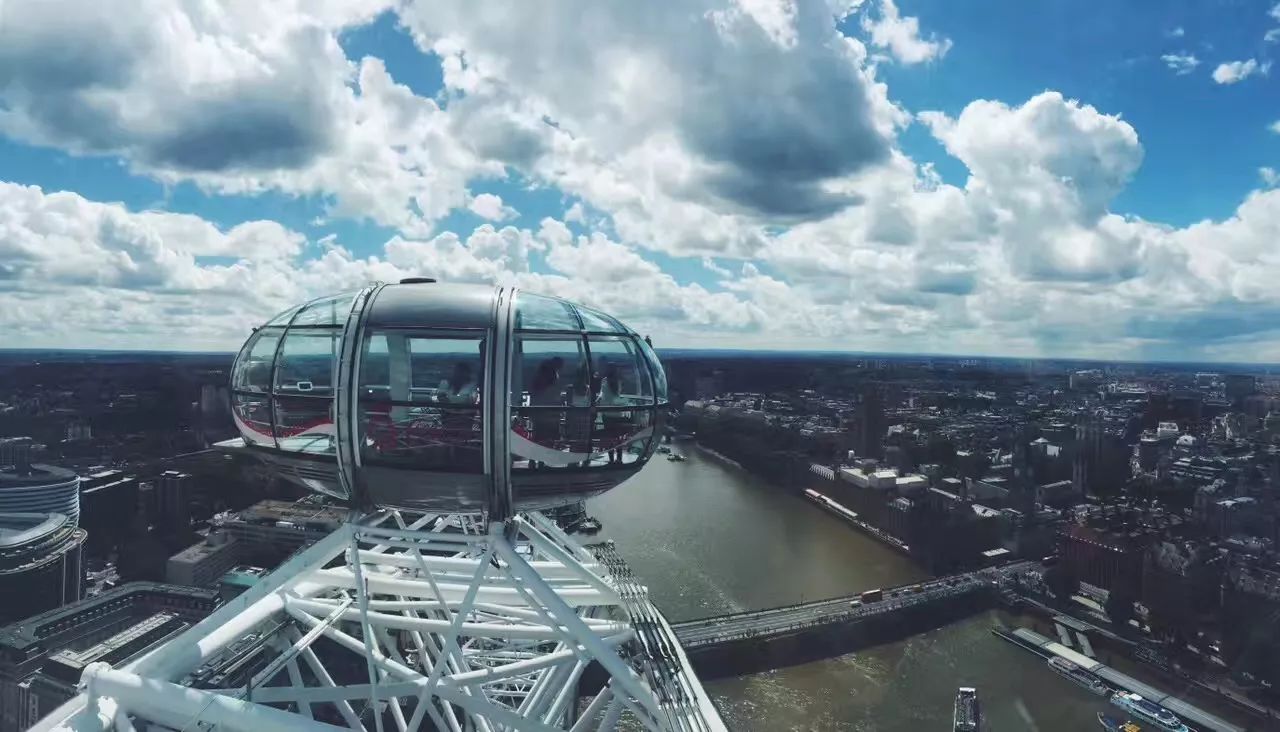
[[17, 451], [108, 504], [1086, 379], [1059, 493], [1088, 445], [41, 657], [271, 530], [868, 425], [40, 563], [204, 563], [173, 494], [1105, 558], [1239, 386], [1148, 452]]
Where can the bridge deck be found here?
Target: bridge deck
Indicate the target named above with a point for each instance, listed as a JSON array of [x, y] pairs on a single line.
[[781, 620]]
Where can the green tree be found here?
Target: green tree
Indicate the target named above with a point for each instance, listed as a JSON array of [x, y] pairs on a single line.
[[1061, 582], [1119, 607]]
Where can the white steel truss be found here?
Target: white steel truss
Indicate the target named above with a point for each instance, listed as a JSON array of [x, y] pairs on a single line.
[[443, 623]]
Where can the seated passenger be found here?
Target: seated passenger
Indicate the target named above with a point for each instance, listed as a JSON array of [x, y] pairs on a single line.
[[459, 388]]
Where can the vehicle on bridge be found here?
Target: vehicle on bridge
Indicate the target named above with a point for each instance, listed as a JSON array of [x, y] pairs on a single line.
[[872, 595]]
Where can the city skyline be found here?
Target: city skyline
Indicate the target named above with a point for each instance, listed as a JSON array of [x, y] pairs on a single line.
[[875, 177]]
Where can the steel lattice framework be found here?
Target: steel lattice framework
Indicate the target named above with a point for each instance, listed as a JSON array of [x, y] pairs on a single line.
[[449, 624]]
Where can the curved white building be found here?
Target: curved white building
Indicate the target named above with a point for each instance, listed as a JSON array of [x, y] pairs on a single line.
[[40, 563], [40, 489]]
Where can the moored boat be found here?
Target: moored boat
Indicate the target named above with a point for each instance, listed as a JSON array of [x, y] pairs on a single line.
[[1078, 675], [1148, 712]]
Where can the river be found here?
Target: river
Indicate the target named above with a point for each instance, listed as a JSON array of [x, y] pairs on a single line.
[[709, 538]]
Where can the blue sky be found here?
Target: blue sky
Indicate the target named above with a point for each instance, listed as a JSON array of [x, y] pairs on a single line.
[[728, 175], [1203, 145]]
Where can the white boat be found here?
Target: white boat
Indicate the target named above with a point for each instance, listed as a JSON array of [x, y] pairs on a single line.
[[1148, 712], [1081, 677]]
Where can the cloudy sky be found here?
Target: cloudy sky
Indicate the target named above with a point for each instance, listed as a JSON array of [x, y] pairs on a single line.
[[984, 177]]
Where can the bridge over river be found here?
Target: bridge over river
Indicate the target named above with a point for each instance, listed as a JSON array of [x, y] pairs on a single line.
[[756, 640]]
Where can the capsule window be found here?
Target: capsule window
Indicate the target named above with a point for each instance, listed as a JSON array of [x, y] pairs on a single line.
[[304, 424], [253, 417], [420, 400], [253, 368], [328, 311], [596, 321], [655, 366], [307, 362], [551, 399], [620, 373], [536, 312]]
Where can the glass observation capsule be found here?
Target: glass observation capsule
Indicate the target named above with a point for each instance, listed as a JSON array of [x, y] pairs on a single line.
[[452, 398]]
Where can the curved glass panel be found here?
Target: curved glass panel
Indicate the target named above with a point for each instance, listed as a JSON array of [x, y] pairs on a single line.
[[659, 376], [307, 362], [551, 399], [284, 317], [326, 311], [621, 436], [253, 369], [253, 418], [536, 312], [549, 372], [619, 372], [594, 320], [304, 424]]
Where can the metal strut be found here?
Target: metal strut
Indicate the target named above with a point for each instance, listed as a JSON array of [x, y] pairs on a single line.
[[389, 623]]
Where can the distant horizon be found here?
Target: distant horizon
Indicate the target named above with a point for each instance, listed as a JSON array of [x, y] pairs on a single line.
[[747, 352]]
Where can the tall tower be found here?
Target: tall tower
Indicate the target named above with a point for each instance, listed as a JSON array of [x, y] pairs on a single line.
[[869, 423], [1088, 450], [1025, 475]]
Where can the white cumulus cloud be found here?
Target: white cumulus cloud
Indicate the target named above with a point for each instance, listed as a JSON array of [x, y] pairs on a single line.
[[901, 35], [663, 122], [750, 137], [1233, 72], [490, 206]]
